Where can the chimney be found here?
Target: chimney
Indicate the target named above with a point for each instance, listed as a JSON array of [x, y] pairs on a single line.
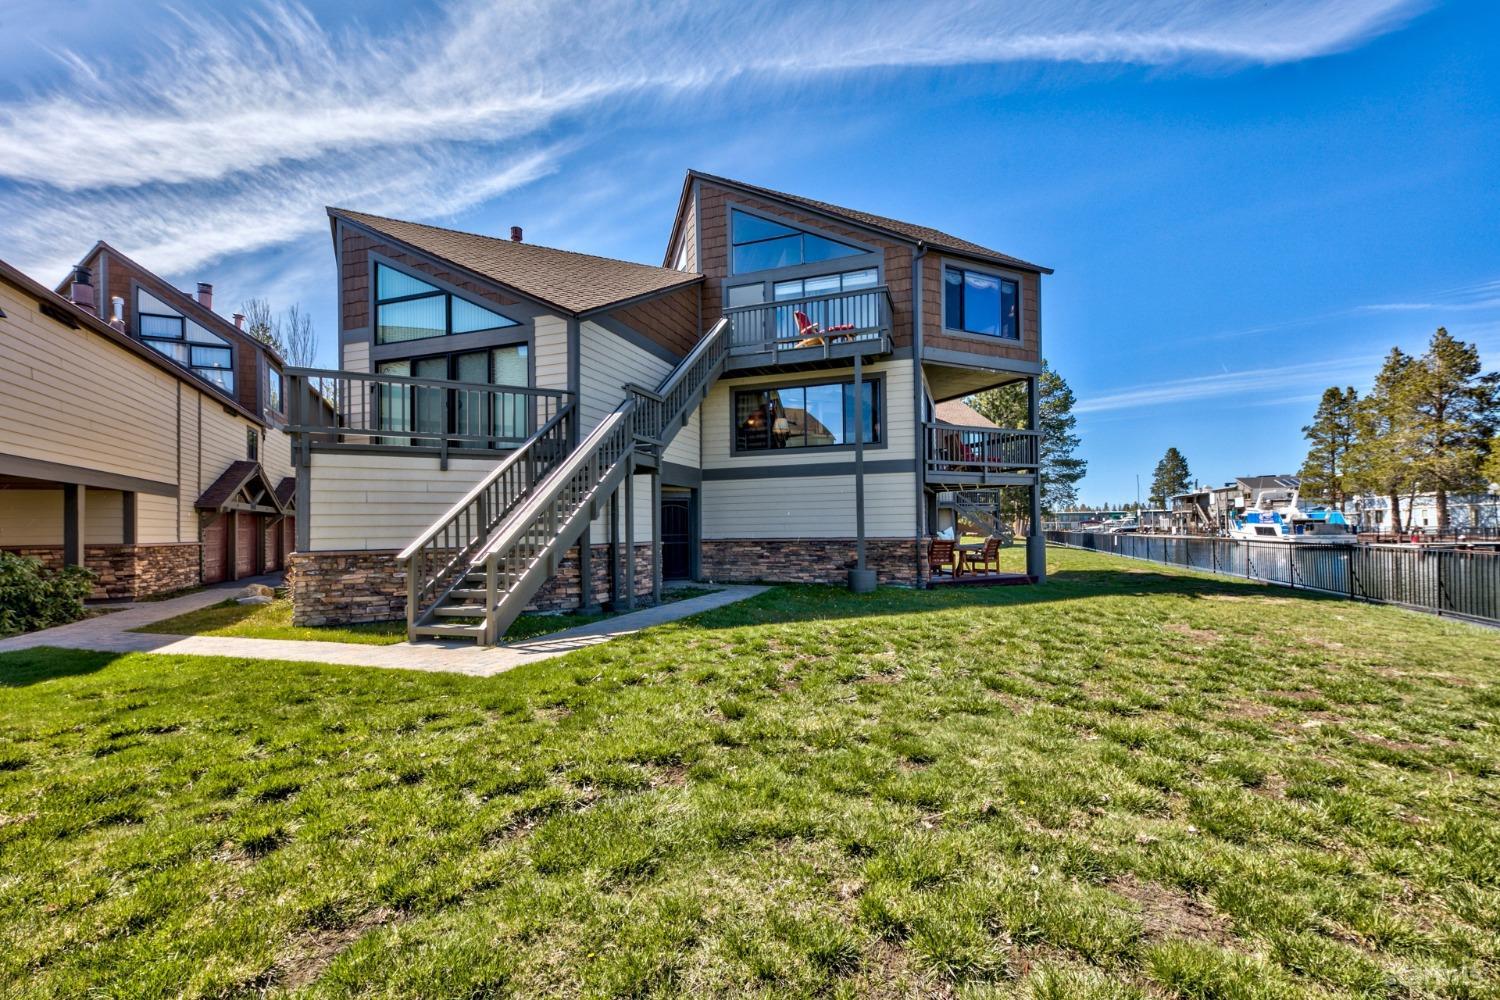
[[205, 295], [82, 293], [515, 234], [118, 319], [239, 321]]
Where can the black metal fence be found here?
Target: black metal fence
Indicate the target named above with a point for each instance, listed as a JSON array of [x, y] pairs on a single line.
[[1464, 583]]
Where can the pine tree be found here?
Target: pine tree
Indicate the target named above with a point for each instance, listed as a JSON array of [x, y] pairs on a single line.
[[1330, 437], [1453, 417], [1060, 468], [1384, 441], [1171, 477]]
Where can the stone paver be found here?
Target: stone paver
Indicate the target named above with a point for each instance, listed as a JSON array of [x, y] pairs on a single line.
[[111, 633]]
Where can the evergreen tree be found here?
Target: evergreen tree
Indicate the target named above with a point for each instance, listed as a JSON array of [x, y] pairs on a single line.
[[1330, 437], [1453, 417], [1171, 477], [1384, 441], [1060, 467]]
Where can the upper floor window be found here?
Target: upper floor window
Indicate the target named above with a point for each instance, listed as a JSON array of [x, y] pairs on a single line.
[[252, 444], [273, 391], [407, 308], [805, 416], [977, 302], [185, 342], [760, 244]]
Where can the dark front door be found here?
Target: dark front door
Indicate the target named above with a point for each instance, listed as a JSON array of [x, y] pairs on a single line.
[[676, 535]]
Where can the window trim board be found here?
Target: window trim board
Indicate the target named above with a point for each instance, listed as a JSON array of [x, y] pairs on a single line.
[[1005, 274]]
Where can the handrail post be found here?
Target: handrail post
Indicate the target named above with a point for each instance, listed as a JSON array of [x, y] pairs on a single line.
[[411, 598]]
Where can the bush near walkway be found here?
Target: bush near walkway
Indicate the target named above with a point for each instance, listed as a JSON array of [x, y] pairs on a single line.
[[33, 597], [1127, 783]]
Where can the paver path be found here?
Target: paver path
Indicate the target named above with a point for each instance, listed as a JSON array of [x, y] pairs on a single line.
[[111, 633]]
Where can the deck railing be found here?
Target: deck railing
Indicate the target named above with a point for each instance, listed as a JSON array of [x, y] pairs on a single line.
[[772, 327], [359, 409], [978, 451], [656, 409]]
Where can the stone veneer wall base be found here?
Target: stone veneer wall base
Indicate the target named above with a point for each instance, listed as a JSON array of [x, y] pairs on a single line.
[[808, 560], [351, 586], [129, 572]]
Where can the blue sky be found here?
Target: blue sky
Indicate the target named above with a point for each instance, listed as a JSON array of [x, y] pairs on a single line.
[[1244, 203]]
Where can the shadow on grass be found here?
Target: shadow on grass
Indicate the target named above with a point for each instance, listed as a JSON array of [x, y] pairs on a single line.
[[811, 602], [25, 667]]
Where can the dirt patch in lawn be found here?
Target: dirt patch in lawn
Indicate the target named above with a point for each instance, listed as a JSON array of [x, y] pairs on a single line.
[[315, 950], [1170, 913], [1200, 634]]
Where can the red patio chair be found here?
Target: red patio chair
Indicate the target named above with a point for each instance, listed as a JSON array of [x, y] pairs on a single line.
[[812, 333]]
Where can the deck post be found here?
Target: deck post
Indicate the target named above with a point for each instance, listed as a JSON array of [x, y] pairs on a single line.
[[861, 580], [614, 545], [630, 533], [1036, 545], [656, 535]]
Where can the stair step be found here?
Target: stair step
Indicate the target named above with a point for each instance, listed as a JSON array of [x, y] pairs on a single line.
[[459, 610], [476, 593], [451, 630]]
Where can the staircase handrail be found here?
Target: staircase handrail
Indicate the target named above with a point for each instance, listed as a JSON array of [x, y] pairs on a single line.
[[656, 408]]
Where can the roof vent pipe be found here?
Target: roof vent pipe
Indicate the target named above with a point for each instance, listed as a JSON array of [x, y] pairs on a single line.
[[515, 234], [82, 292], [239, 321], [117, 320], [205, 295]]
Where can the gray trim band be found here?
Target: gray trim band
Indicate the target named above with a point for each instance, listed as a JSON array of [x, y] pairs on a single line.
[[677, 474], [883, 467], [980, 362], [35, 468]]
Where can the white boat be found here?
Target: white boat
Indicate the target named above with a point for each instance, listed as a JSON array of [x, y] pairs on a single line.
[[1276, 517]]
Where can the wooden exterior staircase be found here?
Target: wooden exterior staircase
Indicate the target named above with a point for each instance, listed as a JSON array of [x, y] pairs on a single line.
[[481, 563]]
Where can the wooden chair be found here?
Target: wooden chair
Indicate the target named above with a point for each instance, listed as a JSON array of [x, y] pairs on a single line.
[[940, 557], [812, 333], [987, 557]]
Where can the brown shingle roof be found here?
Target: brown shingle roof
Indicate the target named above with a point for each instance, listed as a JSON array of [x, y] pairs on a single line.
[[231, 481], [573, 282], [935, 238], [286, 491], [961, 414]]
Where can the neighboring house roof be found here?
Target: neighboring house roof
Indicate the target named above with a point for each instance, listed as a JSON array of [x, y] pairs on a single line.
[[183, 301], [956, 411], [574, 283], [63, 310], [286, 492], [910, 231], [238, 480]]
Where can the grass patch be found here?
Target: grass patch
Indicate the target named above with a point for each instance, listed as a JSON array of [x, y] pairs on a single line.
[[274, 621], [1119, 785]]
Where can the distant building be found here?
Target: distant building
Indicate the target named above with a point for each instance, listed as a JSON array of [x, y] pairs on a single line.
[[1466, 512]]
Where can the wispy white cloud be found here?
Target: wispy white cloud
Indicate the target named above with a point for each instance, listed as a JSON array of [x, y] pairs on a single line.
[[1280, 380], [234, 133], [1465, 298]]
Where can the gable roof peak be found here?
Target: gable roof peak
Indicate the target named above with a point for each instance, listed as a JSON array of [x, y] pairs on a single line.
[[907, 231]]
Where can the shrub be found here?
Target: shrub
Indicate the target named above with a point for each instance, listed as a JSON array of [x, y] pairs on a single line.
[[33, 597]]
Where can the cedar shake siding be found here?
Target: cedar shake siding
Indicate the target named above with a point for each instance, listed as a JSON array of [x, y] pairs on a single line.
[[670, 320], [713, 206], [935, 337]]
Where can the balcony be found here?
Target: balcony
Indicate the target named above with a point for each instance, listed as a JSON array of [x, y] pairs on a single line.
[[967, 456], [342, 410], [810, 332]]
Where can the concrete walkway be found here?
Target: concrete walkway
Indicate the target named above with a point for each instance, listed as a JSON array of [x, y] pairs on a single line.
[[111, 633]]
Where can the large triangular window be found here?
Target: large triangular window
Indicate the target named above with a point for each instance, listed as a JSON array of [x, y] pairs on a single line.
[[408, 308], [762, 245]]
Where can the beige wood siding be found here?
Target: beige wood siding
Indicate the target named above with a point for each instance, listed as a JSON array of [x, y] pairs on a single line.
[[156, 520], [356, 356], [35, 517], [550, 363], [808, 507], [684, 449], [606, 362], [373, 501], [276, 455]]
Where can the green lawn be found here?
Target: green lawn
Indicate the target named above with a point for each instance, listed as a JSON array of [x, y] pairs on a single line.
[[274, 621], [1127, 783]]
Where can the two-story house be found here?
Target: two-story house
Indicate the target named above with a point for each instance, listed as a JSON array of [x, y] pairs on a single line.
[[510, 421], [139, 432]]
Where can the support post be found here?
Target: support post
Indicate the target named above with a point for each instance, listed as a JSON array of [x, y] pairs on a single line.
[[1036, 545], [656, 534], [586, 570], [861, 578], [73, 522], [630, 533], [614, 546], [127, 518]]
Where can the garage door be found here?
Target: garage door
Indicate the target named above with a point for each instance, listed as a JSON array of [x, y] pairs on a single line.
[[273, 544], [215, 551], [246, 528]]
